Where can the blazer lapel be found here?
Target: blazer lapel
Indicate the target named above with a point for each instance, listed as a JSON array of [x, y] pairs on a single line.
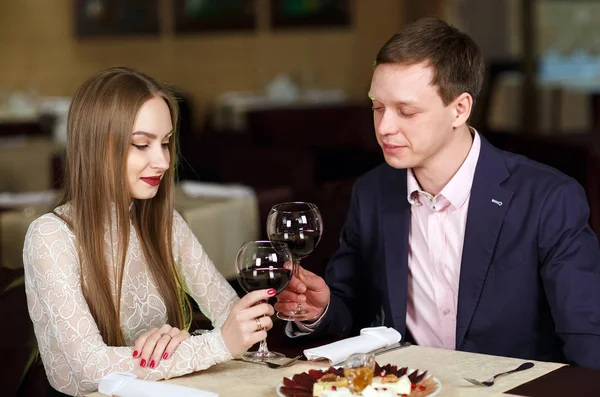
[[487, 207], [396, 221]]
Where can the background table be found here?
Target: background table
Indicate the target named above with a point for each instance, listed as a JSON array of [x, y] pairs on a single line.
[[221, 225]]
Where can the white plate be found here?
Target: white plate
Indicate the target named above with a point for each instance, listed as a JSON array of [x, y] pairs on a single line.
[[435, 393]]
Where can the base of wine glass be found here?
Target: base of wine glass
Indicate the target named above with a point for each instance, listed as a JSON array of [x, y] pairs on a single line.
[[261, 357], [297, 315]]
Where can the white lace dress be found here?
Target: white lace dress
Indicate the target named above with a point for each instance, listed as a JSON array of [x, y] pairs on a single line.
[[73, 352]]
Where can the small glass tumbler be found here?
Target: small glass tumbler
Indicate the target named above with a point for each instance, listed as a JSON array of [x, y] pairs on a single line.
[[358, 370]]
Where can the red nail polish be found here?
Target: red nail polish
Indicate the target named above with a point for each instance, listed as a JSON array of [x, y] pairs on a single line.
[[271, 292], [165, 356], [143, 363], [135, 353], [152, 364]]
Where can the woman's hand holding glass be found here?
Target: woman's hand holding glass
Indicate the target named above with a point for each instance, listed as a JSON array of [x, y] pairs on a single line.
[[260, 265], [248, 322], [246, 325]]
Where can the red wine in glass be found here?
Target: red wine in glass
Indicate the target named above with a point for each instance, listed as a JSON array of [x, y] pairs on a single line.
[[299, 225], [263, 265], [264, 278], [301, 244]]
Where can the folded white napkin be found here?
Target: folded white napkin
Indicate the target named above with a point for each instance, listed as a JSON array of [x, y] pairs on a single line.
[[204, 189], [369, 339], [127, 385]]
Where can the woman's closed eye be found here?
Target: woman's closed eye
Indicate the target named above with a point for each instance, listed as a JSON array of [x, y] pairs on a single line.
[[165, 145]]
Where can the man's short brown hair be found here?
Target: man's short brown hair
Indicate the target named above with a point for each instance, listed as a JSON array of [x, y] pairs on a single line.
[[456, 59]]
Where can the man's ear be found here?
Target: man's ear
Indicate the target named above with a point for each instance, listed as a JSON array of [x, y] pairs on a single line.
[[462, 107]]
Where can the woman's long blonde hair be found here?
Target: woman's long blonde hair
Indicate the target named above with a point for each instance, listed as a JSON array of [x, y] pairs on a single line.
[[99, 129]]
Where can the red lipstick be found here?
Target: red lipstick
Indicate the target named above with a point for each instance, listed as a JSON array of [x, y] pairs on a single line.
[[151, 180]]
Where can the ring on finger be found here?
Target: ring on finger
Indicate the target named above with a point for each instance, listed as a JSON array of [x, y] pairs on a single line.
[[258, 324]]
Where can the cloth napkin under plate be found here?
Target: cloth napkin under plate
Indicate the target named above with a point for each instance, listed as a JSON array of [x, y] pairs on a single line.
[[127, 385], [369, 339]]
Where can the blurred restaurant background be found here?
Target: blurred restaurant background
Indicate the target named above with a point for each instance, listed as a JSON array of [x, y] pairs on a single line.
[[274, 108]]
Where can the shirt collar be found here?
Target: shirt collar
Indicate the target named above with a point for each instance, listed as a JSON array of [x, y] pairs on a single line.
[[458, 189], [413, 188]]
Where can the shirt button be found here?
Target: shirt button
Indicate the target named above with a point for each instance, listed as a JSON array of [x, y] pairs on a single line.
[[433, 208], [446, 312]]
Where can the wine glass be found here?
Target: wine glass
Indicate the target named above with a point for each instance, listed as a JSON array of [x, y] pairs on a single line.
[[263, 265], [300, 226]]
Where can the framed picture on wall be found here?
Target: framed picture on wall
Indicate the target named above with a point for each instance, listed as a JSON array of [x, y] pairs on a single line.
[[310, 13], [95, 18], [214, 15]]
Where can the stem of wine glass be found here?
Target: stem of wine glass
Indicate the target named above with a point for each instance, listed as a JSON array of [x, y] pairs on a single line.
[[297, 266], [263, 350]]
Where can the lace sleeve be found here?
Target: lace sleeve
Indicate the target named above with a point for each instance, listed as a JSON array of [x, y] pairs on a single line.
[[207, 286], [74, 355]]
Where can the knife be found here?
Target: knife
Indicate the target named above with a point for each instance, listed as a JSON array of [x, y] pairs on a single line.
[[390, 348]]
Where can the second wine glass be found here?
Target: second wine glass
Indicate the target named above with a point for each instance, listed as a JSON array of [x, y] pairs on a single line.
[[299, 225], [262, 265]]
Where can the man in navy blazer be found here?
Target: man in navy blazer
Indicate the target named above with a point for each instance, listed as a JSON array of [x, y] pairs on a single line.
[[529, 272]]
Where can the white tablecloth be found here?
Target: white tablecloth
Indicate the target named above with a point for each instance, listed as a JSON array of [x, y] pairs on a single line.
[[237, 378]]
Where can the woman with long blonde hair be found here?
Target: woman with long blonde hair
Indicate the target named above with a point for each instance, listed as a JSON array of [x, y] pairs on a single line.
[[108, 271]]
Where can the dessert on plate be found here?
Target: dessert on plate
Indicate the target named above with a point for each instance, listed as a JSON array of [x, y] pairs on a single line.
[[387, 381], [327, 382]]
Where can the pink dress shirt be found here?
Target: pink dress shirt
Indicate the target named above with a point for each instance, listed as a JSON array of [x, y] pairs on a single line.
[[436, 236]]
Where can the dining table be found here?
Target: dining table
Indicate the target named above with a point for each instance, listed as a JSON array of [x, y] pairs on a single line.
[[449, 367]]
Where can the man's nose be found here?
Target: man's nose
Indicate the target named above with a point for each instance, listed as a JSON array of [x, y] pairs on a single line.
[[388, 125]]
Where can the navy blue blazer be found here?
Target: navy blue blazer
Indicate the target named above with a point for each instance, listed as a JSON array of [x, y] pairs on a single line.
[[530, 270]]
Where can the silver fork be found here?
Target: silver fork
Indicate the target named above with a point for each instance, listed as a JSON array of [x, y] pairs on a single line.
[[286, 364], [274, 365], [490, 381]]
